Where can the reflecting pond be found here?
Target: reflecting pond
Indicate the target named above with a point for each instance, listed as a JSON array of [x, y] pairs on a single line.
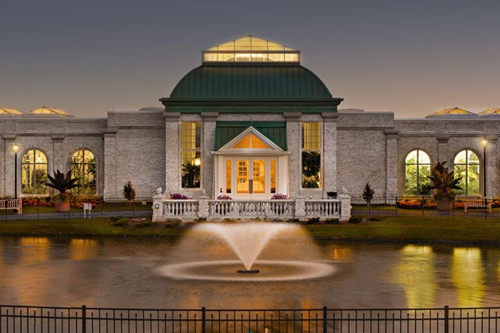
[[124, 273]]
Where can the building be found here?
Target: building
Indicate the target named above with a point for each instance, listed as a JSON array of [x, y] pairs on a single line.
[[250, 122]]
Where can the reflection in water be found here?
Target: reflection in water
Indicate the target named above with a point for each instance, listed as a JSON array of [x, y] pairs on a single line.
[[123, 273], [416, 274], [35, 249], [468, 276], [83, 249]]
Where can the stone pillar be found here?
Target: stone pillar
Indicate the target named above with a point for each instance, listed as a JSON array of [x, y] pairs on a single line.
[[110, 167], [9, 171], [172, 152], [60, 162], [208, 173], [391, 190], [442, 150], [293, 143], [158, 208], [329, 153], [203, 209], [300, 208], [491, 167], [345, 208]]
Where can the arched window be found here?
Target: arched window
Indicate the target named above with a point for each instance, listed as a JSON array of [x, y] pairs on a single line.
[[34, 172], [467, 167], [83, 167], [417, 170]]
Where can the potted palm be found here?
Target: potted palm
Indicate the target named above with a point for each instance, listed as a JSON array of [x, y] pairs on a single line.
[[444, 183], [63, 183]]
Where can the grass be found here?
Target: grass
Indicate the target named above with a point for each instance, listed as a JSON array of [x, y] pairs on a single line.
[[95, 227], [400, 228], [405, 228]]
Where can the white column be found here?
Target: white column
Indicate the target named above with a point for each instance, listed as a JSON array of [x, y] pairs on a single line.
[[293, 145], [208, 173], [329, 153], [172, 152], [391, 173]]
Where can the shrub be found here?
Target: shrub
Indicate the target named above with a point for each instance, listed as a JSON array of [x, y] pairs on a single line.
[[279, 196], [224, 197], [119, 221], [313, 220], [332, 221], [142, 223], [356, 220], [129, 191], [376, 218]]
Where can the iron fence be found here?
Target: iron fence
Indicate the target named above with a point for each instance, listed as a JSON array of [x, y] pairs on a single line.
[[82, 319]]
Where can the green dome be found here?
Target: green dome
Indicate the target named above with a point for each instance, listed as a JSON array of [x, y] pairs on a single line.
[[251, 82]]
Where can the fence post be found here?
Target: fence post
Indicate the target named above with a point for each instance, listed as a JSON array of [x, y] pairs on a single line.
[[84, 319], [203, 319], [325, 319], [446, 319]]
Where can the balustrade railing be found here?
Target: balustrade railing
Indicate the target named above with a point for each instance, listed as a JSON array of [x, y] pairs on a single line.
[[220, 209], [180, 209], [328, 209], [297, 208]]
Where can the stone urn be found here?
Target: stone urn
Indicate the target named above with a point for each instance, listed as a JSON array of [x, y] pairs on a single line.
[[62, 206], [444, 204]]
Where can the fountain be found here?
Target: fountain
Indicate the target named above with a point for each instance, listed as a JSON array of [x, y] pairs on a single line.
[[294, 254]]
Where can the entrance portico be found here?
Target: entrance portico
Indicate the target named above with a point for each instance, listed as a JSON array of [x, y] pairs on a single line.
[[251, 167]]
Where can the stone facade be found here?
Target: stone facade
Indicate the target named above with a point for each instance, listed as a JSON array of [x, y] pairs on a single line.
[[144, 147]]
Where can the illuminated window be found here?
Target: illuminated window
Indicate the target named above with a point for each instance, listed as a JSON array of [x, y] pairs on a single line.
[[83, 167], [417, 172], [34, 172], [191, 155], [273, 176], [467, 167], [311, 155], [251, 49], [228, 176], [251, 141]]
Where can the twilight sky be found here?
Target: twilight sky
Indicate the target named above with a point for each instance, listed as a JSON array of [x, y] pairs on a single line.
[[410, 57]]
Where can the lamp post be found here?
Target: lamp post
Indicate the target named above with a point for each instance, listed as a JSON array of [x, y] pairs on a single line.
[[15, 149], [484, 142]]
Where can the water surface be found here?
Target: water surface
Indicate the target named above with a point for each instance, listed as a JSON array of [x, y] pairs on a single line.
[[124, 273]]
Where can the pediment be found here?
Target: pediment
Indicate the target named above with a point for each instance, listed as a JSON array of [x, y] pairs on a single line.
[[251, 140]]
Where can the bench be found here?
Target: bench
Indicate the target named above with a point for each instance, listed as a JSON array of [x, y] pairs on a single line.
[[15, 204], [479, 203]]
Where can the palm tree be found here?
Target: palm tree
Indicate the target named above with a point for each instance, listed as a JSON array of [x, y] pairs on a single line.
[[444, 183], [63, 183]]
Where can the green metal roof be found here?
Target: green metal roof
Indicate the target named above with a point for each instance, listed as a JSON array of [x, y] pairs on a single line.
[[250, 82], [225, 131]]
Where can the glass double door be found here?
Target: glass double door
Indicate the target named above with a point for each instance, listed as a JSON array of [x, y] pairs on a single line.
[[251, 178]]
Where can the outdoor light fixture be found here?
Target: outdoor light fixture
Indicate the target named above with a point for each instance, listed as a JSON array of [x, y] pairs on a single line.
[[157, 206], [484, 142], [15, 149]]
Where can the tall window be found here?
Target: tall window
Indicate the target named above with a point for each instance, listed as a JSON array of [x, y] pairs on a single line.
[[311, 155], [34, 172], [417, 171], [191, 155], [467, 167], [83, 167]]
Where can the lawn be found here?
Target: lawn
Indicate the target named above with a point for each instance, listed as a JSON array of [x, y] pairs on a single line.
[[400, 228], [405, 228]]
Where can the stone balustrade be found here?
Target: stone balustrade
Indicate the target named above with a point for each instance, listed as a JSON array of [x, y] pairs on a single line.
[[292, 209]]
